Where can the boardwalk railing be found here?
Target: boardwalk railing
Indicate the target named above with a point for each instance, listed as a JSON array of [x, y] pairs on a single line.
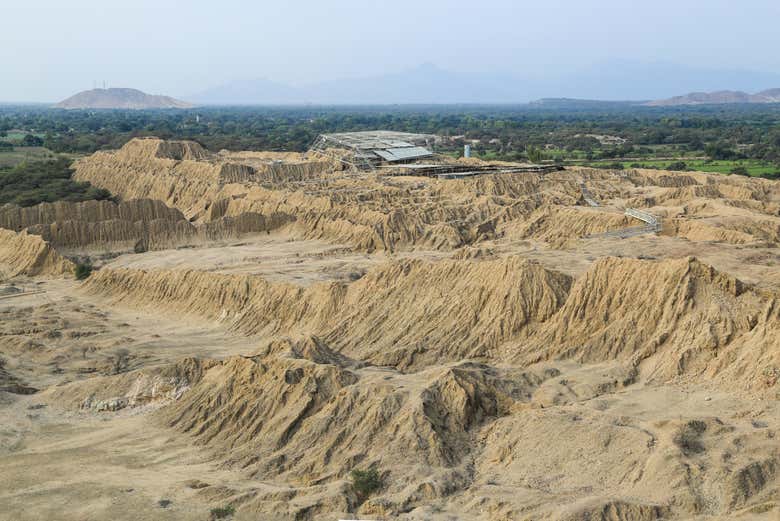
[[642, 216], [652, 225]]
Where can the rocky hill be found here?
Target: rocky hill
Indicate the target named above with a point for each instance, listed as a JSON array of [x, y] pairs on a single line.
[[116, 98], [719, 98]]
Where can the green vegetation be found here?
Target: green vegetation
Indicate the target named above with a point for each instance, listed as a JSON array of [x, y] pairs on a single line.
[[30, 140], [82, 270], [365, 482], [11, 155], [744, 167], [28, 184], [535, 154], [680, 166], [710, 138], [222, 512]]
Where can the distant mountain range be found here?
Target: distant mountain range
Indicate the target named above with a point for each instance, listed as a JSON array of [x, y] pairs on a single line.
[[429, 84], [581, 104], [116, 98], [424, 84], [719, 98]]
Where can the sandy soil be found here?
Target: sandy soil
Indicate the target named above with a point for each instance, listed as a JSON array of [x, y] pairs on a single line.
[[278, 256], [282, 257], [491, 347]]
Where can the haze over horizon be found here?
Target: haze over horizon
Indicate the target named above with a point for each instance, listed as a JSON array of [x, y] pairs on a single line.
[[530, 49]]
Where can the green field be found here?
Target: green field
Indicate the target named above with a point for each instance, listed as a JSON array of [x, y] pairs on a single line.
[[754, 167], [14, 135], [17, 135], [22, 154]]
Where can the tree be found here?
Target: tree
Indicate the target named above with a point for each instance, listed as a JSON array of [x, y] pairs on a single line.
[[534, 154], [31, 141], [719, 151]]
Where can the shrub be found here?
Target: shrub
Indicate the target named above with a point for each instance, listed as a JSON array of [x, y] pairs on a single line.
[[739, 170], [365, 482], [678, 166], [356, 275], [222, 512], [121, 360], [28, 184], [82, 270], [688, 437]]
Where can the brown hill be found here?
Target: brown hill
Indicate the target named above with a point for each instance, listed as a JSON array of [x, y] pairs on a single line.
[[770, 94], [719, 98], [120, 98]]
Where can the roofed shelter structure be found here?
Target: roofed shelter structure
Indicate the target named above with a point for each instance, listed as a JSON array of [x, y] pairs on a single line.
[[372, 148]]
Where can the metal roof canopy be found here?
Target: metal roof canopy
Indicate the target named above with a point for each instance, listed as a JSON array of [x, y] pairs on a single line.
[[382, 139], [376, 146], [403, 154]]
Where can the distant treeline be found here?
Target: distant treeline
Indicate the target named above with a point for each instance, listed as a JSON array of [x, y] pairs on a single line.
[[502, 132]]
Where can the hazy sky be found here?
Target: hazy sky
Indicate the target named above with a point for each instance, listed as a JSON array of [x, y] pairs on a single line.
[[53, 48]]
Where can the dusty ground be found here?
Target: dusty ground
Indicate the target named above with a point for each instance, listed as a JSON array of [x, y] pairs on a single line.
[[277, 257], [494, 348]]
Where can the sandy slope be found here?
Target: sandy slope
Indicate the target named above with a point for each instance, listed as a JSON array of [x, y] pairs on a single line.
[[481, 343]]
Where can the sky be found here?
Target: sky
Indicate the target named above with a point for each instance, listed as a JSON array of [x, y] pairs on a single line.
[[50, 49]]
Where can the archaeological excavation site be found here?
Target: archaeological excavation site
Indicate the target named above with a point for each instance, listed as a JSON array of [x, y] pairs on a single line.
[[372, 331]]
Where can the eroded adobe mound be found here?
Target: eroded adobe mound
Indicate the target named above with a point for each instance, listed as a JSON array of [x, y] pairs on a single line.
[[374, 212], [496, 347], [25, 254], [691, 320], [134, 225]]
